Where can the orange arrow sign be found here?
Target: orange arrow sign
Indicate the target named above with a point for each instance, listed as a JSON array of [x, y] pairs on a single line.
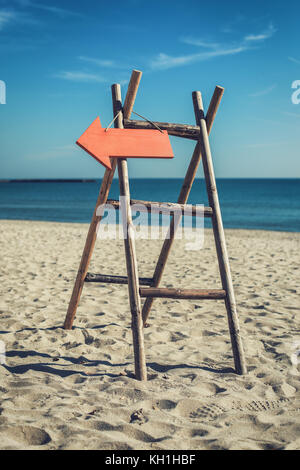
[[103, 143]]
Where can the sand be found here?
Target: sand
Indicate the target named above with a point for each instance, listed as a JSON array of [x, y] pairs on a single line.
[[75, 389]]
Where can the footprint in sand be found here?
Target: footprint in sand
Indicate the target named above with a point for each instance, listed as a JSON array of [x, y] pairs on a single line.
[[199, 433], [27, 435], [257, 405], [164, 404], [207, 412], [212, 411]]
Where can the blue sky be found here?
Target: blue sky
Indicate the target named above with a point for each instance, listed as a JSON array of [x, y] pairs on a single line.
[[58, 60]]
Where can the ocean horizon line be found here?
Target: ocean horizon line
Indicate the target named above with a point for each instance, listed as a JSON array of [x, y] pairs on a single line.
[[94, 180]]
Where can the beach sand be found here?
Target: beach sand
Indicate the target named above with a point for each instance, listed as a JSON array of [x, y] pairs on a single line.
[[75, 390]]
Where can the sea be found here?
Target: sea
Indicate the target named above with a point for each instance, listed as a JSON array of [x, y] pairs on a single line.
[[265, 204]]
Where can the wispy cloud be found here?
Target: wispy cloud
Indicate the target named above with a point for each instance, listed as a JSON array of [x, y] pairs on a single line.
[[47, 8], [20, 13], [90, 75], [265, 91], [10, 16], [213, 49], [164, 61], [78, 76], [266, 34], [6, 17], [105, 63], [199, 42], [100, 62], [110, 66], [296, 61]]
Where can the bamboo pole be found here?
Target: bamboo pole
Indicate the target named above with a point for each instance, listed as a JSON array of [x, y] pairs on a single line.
[[102, 198], [131, 260], [165, 207], [182, 199], [131, 93], [177, 130], [173, 293], [224, 267], [105, 278]]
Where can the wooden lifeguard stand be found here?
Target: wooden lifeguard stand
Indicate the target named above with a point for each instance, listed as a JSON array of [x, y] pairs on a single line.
[[140, 314]]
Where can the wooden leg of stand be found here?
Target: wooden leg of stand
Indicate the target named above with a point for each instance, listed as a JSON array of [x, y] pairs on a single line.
[[182, 199], [102, 198], [131, 261], [88, 248], [224, 267]]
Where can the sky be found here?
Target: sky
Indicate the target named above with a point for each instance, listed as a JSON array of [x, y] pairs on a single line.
[[58, 60]]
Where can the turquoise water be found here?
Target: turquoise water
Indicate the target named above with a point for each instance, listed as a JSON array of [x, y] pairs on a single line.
[[269, 204]]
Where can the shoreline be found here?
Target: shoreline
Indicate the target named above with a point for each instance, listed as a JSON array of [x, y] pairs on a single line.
[[187, 228]]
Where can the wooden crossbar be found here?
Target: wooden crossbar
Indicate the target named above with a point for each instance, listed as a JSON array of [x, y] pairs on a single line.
[[177, 130], [90, 277], [166, 208], [191, 294]]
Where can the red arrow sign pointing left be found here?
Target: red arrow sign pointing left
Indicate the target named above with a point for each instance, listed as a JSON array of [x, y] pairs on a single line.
[[103, 143]]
